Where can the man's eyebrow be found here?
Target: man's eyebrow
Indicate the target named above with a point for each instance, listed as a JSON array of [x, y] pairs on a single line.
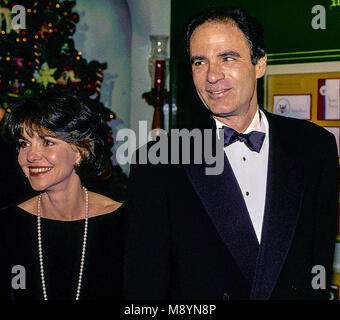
[[194, 58], [230, 53], [223, 54]]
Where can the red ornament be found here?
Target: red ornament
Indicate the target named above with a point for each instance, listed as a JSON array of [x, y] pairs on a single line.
[[75, 17], [68, 77]]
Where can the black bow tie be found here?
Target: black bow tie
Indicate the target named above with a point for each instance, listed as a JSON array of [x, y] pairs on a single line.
[[253, 140]]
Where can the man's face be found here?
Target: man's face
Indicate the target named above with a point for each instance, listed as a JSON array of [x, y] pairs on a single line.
[[224, 77]]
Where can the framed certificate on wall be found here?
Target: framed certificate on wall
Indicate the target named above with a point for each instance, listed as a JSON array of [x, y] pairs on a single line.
[[329, 99], [297, 106]]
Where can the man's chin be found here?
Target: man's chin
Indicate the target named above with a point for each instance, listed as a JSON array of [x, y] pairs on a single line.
[[219, 109], [221, 115], [221, 112]]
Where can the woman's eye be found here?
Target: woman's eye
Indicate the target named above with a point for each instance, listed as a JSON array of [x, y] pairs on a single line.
[[48, 143], [22, 144]]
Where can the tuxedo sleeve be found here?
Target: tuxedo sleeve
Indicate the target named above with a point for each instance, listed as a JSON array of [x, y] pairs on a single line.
[[326, 224], [146, 257]]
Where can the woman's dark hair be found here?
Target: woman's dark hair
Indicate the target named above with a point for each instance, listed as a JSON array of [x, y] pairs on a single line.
[[250, 27], [66, 116]]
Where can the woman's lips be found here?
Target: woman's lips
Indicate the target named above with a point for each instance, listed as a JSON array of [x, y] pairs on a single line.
[[39, 171]]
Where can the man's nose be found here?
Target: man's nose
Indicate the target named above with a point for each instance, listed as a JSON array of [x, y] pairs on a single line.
[[214, 73]]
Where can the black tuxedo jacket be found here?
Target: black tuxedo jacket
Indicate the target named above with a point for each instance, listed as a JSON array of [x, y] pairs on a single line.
[[189, 235]]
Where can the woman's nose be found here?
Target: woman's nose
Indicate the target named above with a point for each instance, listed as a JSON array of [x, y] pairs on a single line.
[[33, 154]]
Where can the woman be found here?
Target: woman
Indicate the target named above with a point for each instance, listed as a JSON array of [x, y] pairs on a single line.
[[63, 243]]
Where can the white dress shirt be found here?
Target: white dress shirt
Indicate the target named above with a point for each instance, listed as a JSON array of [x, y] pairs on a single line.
[[250, 169]]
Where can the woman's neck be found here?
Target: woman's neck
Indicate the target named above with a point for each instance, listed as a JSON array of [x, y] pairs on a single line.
[[64, 203]]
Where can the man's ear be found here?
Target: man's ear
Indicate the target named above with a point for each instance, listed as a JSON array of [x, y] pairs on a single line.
[[260, 67]]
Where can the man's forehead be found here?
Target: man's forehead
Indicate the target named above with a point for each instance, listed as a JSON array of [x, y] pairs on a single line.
[[215, 34], [216, 24]]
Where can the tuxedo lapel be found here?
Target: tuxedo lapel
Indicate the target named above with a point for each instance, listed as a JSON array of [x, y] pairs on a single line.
[[224, 203], [285, 186]]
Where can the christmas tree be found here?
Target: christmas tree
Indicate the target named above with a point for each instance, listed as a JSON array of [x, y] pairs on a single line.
[[37, 54]]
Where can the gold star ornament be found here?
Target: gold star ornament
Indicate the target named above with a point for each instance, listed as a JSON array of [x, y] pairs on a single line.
[[45, 75]]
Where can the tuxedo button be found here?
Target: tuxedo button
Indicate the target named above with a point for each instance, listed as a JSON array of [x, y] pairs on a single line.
[[226, 296], [247, 193], [243, 158]]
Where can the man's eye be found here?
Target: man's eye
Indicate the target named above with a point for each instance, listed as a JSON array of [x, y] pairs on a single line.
[[198, 63], [229, 58]]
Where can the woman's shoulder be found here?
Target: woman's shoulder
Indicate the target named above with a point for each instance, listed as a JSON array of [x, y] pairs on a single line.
[[29, 205], [100, 204]]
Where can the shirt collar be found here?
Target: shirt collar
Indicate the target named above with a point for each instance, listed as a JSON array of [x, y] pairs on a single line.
[[257, 124]]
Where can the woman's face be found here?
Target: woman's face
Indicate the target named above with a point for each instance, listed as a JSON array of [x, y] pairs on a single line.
[[47, 161]]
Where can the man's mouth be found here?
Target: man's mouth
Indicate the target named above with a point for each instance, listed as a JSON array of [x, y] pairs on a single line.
[[216, 94]]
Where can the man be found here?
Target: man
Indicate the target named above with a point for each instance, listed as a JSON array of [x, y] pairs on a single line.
[[263, 229]]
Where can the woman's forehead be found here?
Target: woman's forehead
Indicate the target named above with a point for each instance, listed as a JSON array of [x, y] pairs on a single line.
[[33, 129]]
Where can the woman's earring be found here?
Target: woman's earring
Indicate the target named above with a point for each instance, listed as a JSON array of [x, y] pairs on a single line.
[[76, 165]]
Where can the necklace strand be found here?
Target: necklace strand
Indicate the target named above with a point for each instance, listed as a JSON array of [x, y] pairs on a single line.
[[83, 249]]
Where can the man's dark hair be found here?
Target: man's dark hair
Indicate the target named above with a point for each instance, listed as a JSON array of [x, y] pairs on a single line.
[[67, 116], [250, 27]]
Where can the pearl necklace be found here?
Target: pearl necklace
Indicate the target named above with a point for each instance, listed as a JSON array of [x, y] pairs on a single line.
[[83, 250]]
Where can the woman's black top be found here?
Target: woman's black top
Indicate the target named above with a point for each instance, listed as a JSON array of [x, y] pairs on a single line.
[[20, 276]]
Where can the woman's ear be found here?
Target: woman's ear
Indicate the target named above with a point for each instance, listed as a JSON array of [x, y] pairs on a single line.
[[79, 158]]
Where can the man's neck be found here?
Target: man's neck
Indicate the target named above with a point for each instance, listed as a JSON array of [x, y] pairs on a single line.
[[241, 122]]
